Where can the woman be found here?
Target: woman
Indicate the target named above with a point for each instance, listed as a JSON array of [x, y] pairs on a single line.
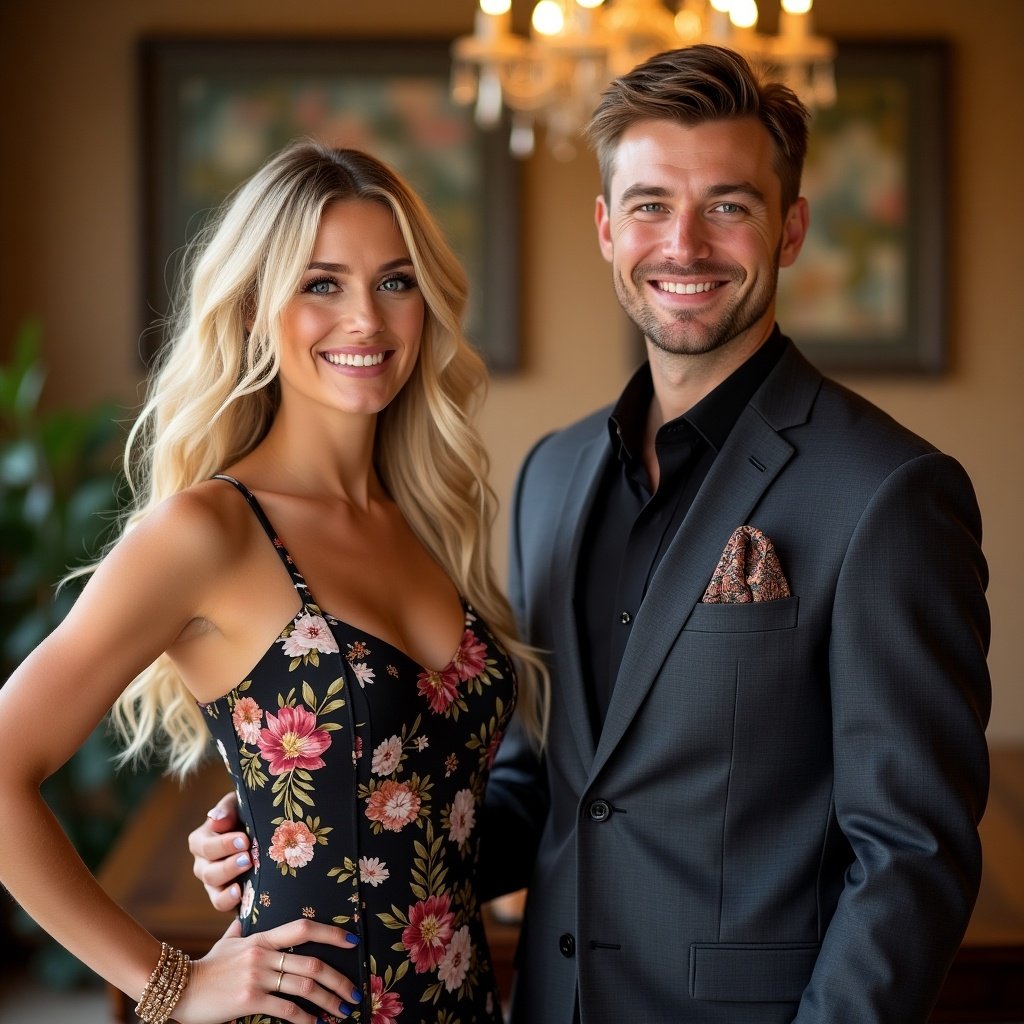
[[318, 381]]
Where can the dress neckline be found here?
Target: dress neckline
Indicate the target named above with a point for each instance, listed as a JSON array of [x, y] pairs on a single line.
[[309, 601]]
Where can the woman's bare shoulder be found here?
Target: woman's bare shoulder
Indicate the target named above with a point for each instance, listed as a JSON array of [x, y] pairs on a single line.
[[209, 520]]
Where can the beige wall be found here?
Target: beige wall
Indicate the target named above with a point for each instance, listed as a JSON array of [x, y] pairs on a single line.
[[69, 199]]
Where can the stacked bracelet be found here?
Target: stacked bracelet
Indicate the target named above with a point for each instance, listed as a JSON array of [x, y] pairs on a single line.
[[165, 985]]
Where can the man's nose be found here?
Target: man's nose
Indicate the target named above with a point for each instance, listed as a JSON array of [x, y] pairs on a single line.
[[687, 238]]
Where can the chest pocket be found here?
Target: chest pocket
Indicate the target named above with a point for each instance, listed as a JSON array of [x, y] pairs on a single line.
[[756, 617]]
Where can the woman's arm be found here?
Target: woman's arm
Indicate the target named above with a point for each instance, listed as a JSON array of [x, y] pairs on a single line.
[[151, 587]]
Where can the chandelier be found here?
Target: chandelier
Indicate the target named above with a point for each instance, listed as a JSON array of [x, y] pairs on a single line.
[[555, 77]]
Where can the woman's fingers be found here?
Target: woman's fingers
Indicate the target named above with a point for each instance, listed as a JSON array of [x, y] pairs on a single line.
[[253, 975], [316, 982], [307, 976]]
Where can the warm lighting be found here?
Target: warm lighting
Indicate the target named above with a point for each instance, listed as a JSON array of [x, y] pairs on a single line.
[[548, 18], [555, 77]]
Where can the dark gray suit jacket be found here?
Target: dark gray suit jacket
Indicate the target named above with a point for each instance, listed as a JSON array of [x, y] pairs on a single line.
[[779, 820]]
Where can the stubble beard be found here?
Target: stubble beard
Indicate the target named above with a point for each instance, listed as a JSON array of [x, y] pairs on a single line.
[[684, 333]]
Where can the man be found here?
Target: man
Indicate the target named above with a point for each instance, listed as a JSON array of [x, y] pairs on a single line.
[[764, 603]]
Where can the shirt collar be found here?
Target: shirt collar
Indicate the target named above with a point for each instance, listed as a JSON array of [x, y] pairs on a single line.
[[713, 417]]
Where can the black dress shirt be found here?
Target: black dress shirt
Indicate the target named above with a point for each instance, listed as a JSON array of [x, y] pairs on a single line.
[[629, 528]]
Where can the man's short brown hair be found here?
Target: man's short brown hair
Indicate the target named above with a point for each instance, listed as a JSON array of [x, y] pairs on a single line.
[[698, 84]]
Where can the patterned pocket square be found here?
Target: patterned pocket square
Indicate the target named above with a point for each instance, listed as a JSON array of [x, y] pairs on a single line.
[[748, 570]]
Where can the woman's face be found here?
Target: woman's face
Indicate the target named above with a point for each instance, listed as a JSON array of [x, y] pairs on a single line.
[[351, 332]]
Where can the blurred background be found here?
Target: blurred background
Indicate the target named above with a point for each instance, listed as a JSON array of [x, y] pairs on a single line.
[[74, 220]]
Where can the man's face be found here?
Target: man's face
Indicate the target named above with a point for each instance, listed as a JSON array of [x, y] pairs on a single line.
[[695, 232]]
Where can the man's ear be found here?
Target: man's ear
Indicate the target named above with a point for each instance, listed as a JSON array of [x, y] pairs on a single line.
[[603, 220], [794, 231]]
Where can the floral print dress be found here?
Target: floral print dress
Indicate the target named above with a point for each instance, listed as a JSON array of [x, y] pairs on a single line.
[[359, 776]]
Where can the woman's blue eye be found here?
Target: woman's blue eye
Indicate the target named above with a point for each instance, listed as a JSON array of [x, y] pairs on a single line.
[[398, 283], [321, 286]]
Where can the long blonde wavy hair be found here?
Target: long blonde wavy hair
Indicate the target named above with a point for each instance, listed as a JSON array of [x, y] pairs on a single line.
[[214, 393]]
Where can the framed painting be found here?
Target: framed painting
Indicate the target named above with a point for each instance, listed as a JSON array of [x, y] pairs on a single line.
[[214, 110], [868, 291]]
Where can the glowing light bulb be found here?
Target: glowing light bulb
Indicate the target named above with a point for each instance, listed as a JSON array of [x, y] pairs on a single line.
[[688, 24], [722, 6], [495, 6], [548, 18], [797, 6], [590, 4], [743, 13]]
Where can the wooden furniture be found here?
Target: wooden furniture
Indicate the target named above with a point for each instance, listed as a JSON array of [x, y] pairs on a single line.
[[150, 872]]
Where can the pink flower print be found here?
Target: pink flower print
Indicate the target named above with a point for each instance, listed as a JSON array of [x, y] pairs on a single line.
[[469, 660], [387, 756], [292, 740], [462, 817], [357, 749], [254, 852], [292, 844], [428, 933], [357, 651], [309, 633], [455, 962], [373, 871], [492, 749], [247, 717], [363, 673], [393, 804], [384, 1006], [440, 688]]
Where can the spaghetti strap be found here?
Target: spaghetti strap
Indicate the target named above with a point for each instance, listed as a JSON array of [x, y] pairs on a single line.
[[298, 582]]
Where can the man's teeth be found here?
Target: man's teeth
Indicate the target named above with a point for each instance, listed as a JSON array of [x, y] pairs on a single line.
[[686, 289], [344, 359]]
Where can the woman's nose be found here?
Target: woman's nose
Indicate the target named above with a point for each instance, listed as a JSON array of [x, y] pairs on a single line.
[[362, 316]]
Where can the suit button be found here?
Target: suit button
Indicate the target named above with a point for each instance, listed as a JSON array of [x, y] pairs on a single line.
[[566, 945], [626, 618], [600, 810]]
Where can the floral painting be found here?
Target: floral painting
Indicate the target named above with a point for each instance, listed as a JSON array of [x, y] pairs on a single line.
[[215, 110], [867, 289]]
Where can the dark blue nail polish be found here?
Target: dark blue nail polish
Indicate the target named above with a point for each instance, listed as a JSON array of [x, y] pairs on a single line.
[[351, 937], [357, 996], [344, 1010]]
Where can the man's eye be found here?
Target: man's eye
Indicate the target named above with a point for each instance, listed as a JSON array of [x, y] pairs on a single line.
[[650, 208], [729, 208]]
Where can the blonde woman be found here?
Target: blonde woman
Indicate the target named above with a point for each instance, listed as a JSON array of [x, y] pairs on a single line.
[[304, 576]]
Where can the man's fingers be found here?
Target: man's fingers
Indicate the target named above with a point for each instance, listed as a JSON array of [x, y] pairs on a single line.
[[224, 899], [223, 816]]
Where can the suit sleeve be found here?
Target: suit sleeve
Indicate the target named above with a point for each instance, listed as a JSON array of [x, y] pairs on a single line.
[[516, 802], [911, 698]]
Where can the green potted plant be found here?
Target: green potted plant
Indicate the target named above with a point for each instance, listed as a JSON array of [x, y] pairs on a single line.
[[59, 481]]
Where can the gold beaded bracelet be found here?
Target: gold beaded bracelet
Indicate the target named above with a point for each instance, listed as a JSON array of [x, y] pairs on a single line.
[[165, 985]]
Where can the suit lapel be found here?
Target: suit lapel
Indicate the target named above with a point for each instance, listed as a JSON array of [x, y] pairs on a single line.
[[568, 683], [751, 459]]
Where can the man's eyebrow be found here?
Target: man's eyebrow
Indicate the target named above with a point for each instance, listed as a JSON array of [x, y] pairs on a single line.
[[728, 188], [739, 188], [642, 191]]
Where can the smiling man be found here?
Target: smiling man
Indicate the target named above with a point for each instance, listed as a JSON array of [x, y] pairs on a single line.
[[764, 602], [764, 606]]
